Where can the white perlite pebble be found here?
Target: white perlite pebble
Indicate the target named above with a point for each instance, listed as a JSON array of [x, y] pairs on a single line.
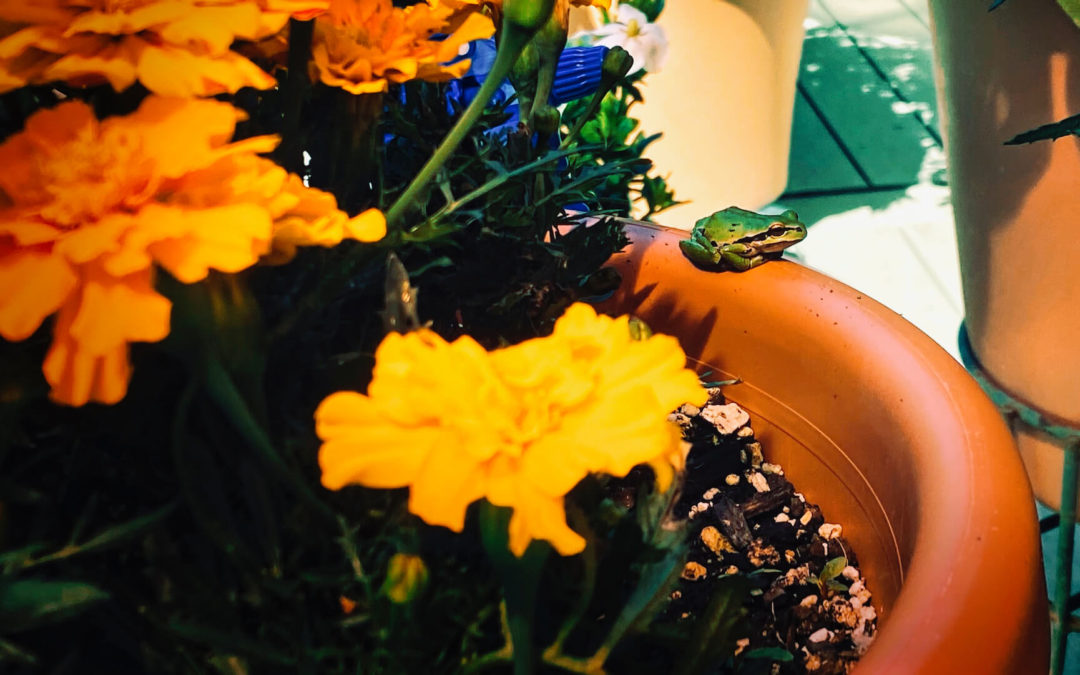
[[700, 507], [856, 588], [806, 517], [772, 468], [850, 573], [745, 432], [727, 418], [731, 479], [829, 530], [809, 601], [710, 493], [820, 635], [758, 481], [782, 518], [740, 645]]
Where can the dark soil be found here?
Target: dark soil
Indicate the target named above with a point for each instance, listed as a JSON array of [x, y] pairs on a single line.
[[808, 596]]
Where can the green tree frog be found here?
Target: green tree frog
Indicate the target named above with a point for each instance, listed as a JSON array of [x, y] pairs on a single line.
[[736, 239]]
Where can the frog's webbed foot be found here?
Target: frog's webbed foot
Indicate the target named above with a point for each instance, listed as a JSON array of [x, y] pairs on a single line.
[[740, 263], [699, 250]]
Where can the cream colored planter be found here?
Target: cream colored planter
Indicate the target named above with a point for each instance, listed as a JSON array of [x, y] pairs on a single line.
[[724, 102], [1002, 73]]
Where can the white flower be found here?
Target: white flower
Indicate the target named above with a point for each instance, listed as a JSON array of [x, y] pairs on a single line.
[[631, 30]]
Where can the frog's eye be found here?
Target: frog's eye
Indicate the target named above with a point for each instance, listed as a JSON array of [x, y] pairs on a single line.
[[777, 230], [714, 243]]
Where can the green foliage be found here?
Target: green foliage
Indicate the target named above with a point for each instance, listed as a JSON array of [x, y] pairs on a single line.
[[1072, 8], [182, 530], [1067, 127]]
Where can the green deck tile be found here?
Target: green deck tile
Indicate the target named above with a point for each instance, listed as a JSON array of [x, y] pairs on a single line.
[[920, 8], [897, 44], [874, 126], [816, 162]]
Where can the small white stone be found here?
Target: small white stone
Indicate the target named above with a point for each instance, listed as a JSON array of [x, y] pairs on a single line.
[[800, 496], [855, 603], [806, 517], [787, 509], [726, 418], [700, 507], [710, 493], [867, 612], [864, 597], [820, 635], [758, 481], [732, 479], [689, 409], [744, 432], [731, 570], [856, 587], [741, 645], [809, 601], [772, 468], [850, 573], [829, 530], [782, 518]]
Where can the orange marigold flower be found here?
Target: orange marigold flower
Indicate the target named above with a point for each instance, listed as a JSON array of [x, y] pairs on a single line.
[[518, 426], [88, 208], [174, 47], [363, 45]]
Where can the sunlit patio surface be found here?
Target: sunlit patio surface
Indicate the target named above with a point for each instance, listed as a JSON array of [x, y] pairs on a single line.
[[867, 172]]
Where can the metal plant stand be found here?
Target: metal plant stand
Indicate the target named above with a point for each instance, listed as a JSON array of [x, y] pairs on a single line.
[[1062, 601]]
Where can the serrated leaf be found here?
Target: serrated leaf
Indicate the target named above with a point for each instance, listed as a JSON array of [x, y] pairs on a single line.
[[29, 603], [771, 653], [1066, 127], [833, 568], [713, 639]]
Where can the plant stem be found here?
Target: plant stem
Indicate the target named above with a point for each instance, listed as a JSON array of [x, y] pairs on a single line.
[[295, 91], [223, 391], [513, 41]]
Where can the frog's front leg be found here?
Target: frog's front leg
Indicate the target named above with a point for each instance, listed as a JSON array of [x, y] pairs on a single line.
[[699, 249], [739, 257]]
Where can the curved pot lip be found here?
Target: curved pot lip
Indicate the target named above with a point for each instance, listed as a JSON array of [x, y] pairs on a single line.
[[965, 465]]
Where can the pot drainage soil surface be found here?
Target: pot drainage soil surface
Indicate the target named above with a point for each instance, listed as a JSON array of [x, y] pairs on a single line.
[[808, 596]]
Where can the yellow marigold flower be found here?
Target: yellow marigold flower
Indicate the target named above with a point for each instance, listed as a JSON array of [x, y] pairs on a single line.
[[88, 208], [518, 426], [363, 45], [174, 47]]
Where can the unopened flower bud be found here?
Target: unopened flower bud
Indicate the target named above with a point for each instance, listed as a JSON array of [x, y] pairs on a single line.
[[406, 577], [617, 63], [528, 15], [639, 330]]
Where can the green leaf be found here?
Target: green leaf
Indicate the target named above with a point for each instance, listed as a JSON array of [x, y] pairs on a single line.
[[1067, 126], [1072, 8], [713, 639], [833, 568], [29, 603], [771, 653]]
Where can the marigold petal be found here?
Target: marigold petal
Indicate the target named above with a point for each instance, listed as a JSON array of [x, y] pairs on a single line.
[[112, 62], [183, 135], [117, 311], [88, 360], [359, 448], [227, 238], [151, 15], [33, 285], [172, 71], [537, 516], [214, 28], [445, 486]]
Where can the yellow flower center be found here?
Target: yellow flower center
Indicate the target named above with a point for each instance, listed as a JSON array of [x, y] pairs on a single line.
[[633, 28], [86, 180]]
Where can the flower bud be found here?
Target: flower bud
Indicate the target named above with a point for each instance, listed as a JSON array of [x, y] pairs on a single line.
[[528, 15], [639, 330], [617, 63], [406, 577]]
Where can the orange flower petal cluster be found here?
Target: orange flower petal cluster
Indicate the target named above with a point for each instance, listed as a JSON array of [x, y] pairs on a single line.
[[173, 47], [518, 426], [363, 45], [88, 208]]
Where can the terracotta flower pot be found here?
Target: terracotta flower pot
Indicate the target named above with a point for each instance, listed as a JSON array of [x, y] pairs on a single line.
[[883, 429], [1002, 73]]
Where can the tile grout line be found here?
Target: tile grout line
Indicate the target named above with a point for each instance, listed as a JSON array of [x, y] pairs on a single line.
[[834, 134], [881, 74]]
